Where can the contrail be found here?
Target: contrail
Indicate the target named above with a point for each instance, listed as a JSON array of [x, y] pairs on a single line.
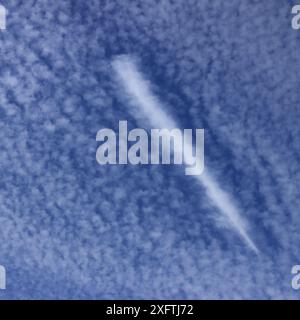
[[149, 108], [3, 14]]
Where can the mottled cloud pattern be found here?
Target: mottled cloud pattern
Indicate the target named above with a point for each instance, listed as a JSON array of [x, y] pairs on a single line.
[[70, 228]]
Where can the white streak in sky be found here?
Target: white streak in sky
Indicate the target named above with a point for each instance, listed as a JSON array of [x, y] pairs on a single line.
[[140, 95], [2, 17]]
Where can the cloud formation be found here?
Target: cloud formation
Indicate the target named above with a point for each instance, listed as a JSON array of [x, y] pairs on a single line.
[[70, 228], [151, 109]]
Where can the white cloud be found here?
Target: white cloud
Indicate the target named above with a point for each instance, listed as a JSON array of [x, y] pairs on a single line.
[[151, 109]]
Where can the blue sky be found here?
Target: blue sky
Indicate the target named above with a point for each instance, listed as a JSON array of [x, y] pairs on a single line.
[[70, 228]]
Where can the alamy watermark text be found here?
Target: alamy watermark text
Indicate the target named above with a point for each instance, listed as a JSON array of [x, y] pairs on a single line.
[[165, 146]]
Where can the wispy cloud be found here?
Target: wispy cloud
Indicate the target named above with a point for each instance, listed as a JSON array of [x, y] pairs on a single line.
[[148, 106], [70, 228]]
